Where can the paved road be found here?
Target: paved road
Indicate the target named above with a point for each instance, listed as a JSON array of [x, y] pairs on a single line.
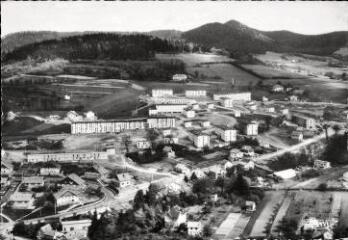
[[294, 148]]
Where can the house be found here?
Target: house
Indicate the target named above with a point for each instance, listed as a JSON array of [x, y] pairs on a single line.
[[66, 197], [227, 102], [46, 232], [22, 200], [169, 152], [190, 113], [251, 129], [124, 179], [248, 151], [91, 175], [284, 111], [264, 99], [182, 168], [241, 97], [74, 116], [195, 106], [247, 166], [285, 174], [297, 135], [167, 132], [76, 229], [188, 124], [50, 171], [235, 154], [293, 98], [6, 167], [270, 109], [33, 182], [277, 88], [205, 123], [253, 107], [143, 144], [72, 181], [200, 139], [90, 116], [227, 134], [250, 206], [320, 164], [179, 77], [194, 228], [210, 106], [236, 113], [5, 181]]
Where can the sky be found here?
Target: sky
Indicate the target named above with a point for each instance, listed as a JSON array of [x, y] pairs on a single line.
[[301, 17]]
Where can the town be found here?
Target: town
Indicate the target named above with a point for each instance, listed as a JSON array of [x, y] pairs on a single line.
[[130, 136]]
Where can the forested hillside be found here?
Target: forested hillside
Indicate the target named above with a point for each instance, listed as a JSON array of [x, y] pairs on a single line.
[[93, 46]]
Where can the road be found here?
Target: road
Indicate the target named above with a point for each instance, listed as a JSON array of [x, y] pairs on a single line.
[[295, 148]]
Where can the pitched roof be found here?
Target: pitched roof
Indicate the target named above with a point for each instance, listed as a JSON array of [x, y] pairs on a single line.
[[62, 192], [6, 164], [76, 179], [33, 179], [20, 196]]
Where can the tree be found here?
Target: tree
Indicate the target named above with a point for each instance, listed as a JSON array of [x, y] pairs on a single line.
[[203, 186], [151, 195], [139, 200], [288, 227], [322, 187], [207, 231], [241, 185]]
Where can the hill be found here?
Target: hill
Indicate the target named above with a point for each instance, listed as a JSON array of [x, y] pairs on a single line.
[[239, 38], [92, 46]]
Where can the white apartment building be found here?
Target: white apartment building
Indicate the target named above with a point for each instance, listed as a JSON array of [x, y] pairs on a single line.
[[67, 157], [243, 96], [195, 93], [172, 100], [303, 121], [227, 134], [118, 125], [200, 139], [167, 109], [251, 129], [161, 92]]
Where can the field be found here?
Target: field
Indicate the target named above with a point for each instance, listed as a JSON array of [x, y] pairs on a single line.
[[268, 208], [270, 72], [302, 64]]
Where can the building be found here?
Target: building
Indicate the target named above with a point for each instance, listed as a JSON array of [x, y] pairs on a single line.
[[251, 129], [161, 92], [235, 154], [297, 135], [277, 88], [320, 164], [22, 200], [227, 102], [119, 125], [270, 109], [303, 121], [6, 167], [72, 181], [182, 168], [188, 124], [33, 182], [250, 206], [195, 93], [67, 157], [248, 151], [90, 116], [205, 123], [190, 114], [236, 113], [194, 228], [284, 111], [200, 139], [77, 229], [124, 179], [50, 171], [46, 232], [143, 144], [293, 98], [74, 116], [179, 77], [195, 106], [160, 109], [66, 197], [241, 97], [227, 134], [286, 174], [210, 106]]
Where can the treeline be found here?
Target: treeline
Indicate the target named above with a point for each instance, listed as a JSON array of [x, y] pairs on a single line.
[[94, 46]]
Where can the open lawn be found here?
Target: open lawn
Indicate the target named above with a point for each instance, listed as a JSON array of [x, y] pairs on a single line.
[[270, 72]]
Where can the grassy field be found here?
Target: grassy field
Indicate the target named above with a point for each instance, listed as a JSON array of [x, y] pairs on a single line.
[[269, 72]]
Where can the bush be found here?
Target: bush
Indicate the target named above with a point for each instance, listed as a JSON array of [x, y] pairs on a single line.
[[322, 187]]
